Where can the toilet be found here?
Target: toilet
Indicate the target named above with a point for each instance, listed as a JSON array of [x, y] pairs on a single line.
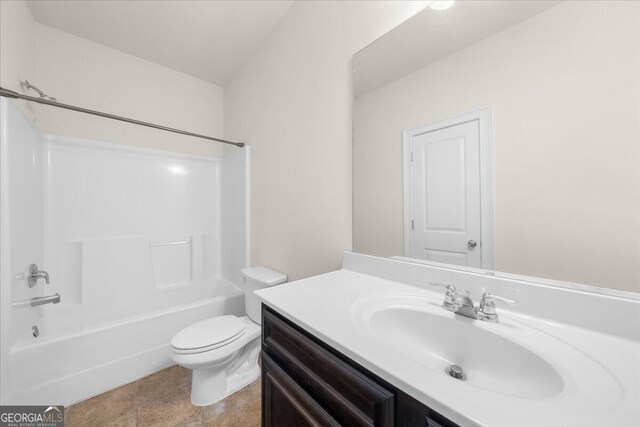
[[223, 351]]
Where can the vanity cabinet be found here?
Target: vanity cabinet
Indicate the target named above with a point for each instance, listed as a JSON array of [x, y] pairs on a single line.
[[305, 382]]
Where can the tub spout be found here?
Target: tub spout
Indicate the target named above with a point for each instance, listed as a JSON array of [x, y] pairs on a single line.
[[51, 299]]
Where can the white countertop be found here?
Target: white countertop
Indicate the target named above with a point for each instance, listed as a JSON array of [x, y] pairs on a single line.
[[327, 307]]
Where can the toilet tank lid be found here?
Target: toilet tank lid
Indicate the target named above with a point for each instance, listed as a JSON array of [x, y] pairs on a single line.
[[264, 275]]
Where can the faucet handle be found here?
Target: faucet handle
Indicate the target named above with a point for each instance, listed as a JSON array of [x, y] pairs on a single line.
[[449, 297], [487, 297], [487, 308], [449, 288]]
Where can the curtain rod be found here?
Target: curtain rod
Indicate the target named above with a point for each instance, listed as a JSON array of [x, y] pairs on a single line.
[[11, 94]]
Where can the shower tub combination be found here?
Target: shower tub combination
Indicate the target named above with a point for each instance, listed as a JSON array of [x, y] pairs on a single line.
[[138, 243]]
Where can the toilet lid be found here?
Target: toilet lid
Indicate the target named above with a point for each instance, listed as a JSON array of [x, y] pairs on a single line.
[[208, 332]]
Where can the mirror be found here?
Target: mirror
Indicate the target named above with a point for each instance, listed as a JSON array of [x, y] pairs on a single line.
[[504, 136]]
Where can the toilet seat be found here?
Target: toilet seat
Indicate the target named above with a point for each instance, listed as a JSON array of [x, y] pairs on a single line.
[[208, 334]]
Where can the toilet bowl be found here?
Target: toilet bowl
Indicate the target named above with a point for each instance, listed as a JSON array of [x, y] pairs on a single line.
[[223, 351]]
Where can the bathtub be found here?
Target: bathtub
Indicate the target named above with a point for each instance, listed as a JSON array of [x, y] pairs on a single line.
[[136, 242], [68, 367]]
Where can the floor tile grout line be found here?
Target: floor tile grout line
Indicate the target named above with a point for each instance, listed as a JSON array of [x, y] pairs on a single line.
[[153, 400], [146, 402], [68, 421], [135, 402], [201, 413]]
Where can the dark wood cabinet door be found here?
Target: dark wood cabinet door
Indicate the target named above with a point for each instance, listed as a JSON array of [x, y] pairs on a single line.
[[351, 397], [412, 413], [306, 382], [285, 403]]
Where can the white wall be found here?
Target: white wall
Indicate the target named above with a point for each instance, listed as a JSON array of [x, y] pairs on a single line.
[[564, 90], [79, 72], [17, 41], [292, 102]]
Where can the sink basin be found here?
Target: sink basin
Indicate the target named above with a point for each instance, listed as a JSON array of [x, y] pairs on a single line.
[[489, 360], [498, 357]]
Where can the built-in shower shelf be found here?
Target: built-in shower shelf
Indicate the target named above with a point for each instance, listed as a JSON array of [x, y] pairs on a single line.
[[172, 263], [184, 242]]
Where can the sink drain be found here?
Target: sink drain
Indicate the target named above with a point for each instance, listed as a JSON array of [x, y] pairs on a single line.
[[456, 372]]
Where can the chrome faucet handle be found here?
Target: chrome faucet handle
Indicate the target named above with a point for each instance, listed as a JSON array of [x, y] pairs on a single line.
[[487, 308], [449, 288], [450, 297], [487, 297], [35, 274]]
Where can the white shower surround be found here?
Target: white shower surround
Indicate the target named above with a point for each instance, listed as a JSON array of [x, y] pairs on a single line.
[[92, 214]]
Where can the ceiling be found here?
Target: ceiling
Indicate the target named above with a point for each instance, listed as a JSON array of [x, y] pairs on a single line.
[[206, 39], [432, 35]]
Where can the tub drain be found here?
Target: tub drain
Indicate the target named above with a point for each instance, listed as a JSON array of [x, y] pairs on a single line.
[[456, 372]]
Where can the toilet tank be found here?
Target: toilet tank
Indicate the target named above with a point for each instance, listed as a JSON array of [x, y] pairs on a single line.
[[256, 278]]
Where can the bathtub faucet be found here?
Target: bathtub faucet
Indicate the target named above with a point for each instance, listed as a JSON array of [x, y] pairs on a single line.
[[35, 274]]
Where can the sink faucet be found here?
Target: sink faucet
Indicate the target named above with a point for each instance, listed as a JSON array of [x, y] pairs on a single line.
[[463, 304]]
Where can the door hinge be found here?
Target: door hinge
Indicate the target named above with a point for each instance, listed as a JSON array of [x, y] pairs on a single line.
[[412, 224], [412, 156]]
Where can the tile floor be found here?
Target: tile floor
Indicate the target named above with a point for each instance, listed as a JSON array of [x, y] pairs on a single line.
[[162, 399]]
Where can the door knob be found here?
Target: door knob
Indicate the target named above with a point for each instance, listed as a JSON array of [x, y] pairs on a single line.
[[472, 244]]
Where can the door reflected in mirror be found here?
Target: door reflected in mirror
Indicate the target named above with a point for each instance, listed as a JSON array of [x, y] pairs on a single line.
[[504, 136]]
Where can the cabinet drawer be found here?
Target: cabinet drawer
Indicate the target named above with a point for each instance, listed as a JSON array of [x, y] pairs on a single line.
[[344, 392], [285, 403]]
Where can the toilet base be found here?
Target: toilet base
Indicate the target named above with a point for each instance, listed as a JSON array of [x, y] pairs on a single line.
[[210, 385]]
